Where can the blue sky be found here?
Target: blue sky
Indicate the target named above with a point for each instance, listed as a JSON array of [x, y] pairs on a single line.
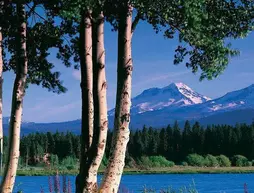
[[153, 67]]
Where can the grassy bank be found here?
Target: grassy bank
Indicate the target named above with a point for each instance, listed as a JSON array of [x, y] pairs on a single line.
[[192, 170], [129, 171]]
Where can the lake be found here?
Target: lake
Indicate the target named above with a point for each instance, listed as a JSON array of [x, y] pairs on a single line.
[[205, 183]]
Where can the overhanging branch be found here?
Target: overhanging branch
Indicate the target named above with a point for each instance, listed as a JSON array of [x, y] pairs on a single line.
[[32, 10], [135, 22]]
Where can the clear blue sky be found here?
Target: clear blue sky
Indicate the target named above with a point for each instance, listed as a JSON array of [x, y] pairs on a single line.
[[153, 67]]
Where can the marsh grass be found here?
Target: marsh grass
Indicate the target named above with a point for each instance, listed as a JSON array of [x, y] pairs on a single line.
[[190, 189]]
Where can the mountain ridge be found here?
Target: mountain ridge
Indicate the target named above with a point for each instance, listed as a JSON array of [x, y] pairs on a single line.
[[174, 95], [159, 107]]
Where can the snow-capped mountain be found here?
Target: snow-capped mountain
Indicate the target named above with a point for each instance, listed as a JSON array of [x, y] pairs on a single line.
[[239, 99], [159, 107], [237, 102], [173, 96]]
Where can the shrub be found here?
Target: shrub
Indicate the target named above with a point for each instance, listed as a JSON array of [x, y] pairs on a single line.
[[69, 163], [155, 161], [184, 164], [170, 164], [54, 160], [249, 164], [211, 161], [130, 163], [161, 161], [144, 161], [195, 160], [41, 164], [21, 162], [223, 161], [239, 161]]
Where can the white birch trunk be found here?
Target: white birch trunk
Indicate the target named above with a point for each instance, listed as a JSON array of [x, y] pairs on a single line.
[[17, 103], [114, 170], [86, 65], [100, 104]]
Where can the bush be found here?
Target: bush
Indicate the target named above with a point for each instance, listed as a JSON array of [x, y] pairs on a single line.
[[130, 163], [195, 160], [155, 161], [249, 164], [161, 161], [21, 162], [211, 161], [54, 160], [240, 161], [41, 164], [144, 161], [69, 163], [223, 161], [184, 164]]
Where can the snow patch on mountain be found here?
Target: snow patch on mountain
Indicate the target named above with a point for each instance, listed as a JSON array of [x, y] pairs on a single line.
[[195, 97], [239, 99], [174, 95]]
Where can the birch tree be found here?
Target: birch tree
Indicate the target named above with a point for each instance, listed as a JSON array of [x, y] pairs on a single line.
[[100, 98], [20, 43], [4, 28], [17, 104], [116, 163], [86, 65], [88, 53]]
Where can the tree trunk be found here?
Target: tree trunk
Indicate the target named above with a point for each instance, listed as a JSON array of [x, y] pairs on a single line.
[[100, 104], [113, 173], [1, 90], [86, 65], [17, 103]]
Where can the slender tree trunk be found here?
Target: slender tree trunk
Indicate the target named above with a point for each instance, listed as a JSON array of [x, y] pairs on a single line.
[[1, 90], [86, 64], [112, 177], [100, 104], [17, 105]]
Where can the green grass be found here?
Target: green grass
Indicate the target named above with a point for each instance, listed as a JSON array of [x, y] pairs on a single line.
[[44, 172], [35, 171], [192, 170]]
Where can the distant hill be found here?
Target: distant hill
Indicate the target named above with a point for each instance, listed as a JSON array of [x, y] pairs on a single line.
[[159, 107], [229, 118], [30, 127]]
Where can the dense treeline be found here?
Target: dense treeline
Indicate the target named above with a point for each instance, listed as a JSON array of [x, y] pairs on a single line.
[[173, 143]]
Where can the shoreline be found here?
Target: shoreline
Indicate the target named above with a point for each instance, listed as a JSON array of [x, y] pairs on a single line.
[[134, 171]]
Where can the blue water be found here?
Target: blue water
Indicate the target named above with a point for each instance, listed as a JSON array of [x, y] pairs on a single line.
[[204, 183]]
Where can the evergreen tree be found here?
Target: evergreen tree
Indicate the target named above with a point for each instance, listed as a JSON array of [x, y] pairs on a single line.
[[145, 140], [170, 147], [51, 142], [186, 137], [163, 147], [177, 141], [154, 143]]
